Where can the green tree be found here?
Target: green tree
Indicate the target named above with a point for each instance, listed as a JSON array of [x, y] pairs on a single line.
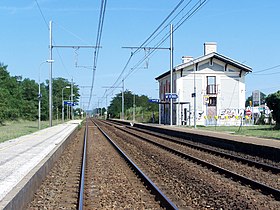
[[145, 111], [10, 94], [58, 85], [19, 98], [273, 102], [29, 99]]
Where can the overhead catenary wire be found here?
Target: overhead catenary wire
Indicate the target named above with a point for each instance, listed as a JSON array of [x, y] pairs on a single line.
[[42, 14], [98, 41], [47, 25], [267, 69], [147, 41], [179, 23], [188, 15]]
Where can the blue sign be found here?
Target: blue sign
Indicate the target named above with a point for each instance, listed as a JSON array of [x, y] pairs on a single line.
[[154, 101], [171, 96], [69, 103]]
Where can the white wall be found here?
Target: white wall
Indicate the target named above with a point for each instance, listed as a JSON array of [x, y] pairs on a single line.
[[231, 89]]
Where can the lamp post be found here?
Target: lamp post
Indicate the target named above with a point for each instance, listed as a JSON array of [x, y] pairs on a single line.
[[40, 94], [194, 95], [123, 99], [50, 77], [62, 101], [171, 73]]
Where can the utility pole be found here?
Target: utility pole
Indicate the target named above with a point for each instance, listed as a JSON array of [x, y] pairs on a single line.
[[50, 78], [156, 48], [50, 82], [133, 107], [108, 88], [194, 95], [72, 101], [123, 99], [171, 74]]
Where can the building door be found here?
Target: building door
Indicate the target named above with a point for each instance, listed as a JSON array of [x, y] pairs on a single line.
[[186, 115], [212, 107], [211, 91]]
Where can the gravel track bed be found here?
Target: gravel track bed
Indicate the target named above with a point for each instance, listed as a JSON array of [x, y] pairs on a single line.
[[110, 183], [266, 177], [239, 154], [187, 184], [59, 189]]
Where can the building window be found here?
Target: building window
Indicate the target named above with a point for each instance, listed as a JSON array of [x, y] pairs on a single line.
[[211, 85], [212, 101]]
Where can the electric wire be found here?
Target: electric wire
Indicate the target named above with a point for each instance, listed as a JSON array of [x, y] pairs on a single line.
[[42, 14], [191, 12], [147, 41], [160, 25], [267, 69], [98, 41], [60, 58], [188, 15], [73, 34]]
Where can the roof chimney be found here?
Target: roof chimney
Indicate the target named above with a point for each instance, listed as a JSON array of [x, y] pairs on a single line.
[[210, 47], [186, 59]]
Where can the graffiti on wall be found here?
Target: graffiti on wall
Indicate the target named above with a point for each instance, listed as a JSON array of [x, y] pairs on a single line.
[[231, 112]]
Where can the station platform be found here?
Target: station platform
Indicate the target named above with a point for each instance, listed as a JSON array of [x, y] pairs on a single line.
[[267, 148], [261, 141], [23, 157]]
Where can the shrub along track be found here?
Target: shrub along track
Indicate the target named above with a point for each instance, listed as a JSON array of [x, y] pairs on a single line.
[[186, 183]]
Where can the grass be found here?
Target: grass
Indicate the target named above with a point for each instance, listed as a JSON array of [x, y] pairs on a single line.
[[265, 131], [13, 129]]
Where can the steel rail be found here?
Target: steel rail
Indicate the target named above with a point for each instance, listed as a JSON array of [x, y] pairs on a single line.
[[264, 166], [164, 201], [82, 177], [254, 184]]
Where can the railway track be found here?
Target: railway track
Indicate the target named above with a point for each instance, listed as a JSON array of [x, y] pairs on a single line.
[[97, 177], [233, 175], [258, 164]]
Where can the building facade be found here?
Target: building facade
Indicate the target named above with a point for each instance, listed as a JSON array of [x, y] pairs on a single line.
[[211, 88]]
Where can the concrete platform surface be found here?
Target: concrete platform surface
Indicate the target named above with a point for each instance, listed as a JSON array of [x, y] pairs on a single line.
[[19, 156]]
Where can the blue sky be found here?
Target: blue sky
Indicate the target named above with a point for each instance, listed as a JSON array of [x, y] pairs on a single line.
[[245, 30]]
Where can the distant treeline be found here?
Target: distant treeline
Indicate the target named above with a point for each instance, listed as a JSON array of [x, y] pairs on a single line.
[[144, 111], [19, 97]]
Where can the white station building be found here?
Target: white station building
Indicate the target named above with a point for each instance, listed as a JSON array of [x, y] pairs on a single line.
[[212, 87]]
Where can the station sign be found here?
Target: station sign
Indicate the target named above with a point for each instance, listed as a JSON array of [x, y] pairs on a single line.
[[171, 96], [154, 101], [70, 103]]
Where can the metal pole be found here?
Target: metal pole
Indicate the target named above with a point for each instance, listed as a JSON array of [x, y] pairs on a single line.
[[62, 109], [194, 103], [122, 99], [62, 103], [134, 108], [106, 107], [57, 115], [171, 74], [72, 102], [39, 105], [50, 79], [39, 98], [69, 109]]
